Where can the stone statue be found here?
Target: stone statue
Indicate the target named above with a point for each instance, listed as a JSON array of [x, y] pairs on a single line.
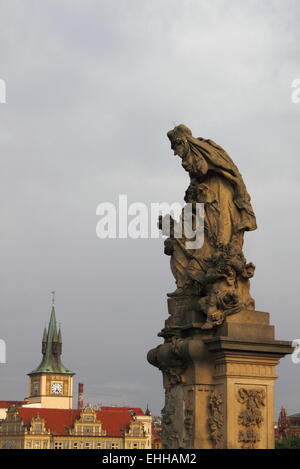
[[219, 354], [217, 273]]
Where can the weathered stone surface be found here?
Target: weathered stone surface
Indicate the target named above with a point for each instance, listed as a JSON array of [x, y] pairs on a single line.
[[216, 272], [219, 355]]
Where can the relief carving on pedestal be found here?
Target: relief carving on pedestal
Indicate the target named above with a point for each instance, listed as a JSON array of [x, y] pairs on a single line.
[[250, 417], [216, 419], [169, 360], [173, 375], [172, 427], [189, 417]]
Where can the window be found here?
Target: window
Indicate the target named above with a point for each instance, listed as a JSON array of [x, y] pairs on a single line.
[[37, 428], [36, 444], [88, 446], [58, 445], [87, 429], [35, 388], [88, 418], [136, 430], [75, 445], [28, 444], [99, 446], [114, 446]]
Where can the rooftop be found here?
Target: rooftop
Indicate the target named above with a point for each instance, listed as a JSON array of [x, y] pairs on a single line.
[[115, 420]]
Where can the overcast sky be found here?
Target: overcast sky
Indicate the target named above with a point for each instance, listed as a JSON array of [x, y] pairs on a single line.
[[92, 88]]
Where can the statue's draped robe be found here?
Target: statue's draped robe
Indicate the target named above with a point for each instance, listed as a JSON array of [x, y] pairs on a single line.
[[227, 208]]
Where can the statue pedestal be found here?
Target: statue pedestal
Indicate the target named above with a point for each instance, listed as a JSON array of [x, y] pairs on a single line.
[[219, 383]]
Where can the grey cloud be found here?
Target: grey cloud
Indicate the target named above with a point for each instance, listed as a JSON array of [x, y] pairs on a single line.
[[92, 88]]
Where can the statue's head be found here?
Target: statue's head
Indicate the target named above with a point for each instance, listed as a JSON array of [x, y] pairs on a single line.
[[178, 138]]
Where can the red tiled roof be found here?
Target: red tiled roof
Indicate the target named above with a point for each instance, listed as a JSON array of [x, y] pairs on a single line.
[[113, 419], [6, 404], [116, 419], [56, 420], [136, 410]]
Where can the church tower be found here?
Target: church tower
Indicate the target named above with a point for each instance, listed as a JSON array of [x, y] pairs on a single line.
[[51, 383]]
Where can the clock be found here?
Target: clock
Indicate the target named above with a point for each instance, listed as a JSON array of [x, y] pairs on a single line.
[[56, 388]]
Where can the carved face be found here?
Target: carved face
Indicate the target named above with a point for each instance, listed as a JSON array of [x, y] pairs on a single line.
[[179, 150], [180, 147]]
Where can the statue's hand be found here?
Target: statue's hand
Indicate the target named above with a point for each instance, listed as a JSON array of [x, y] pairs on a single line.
[[191, 192], [169, 247]]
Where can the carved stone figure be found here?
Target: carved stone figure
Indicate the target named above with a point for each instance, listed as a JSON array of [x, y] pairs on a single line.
[[189, 417], [217, 272], [172, 418], [250, 417], [216, 419]]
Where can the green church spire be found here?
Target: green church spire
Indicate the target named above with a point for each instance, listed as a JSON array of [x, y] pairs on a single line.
[[45, 335], [51, 350]]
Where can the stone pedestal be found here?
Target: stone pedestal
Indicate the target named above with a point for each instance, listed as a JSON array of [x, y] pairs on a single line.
[[219, 383]]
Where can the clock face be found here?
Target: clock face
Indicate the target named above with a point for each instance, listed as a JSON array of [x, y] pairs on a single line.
[[56, 388]]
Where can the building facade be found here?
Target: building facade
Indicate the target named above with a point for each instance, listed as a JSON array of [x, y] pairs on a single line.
[[288, 426], [105, 428], [45, 419]]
